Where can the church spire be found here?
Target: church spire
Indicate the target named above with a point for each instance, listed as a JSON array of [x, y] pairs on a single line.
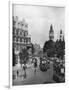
[[61, 35]]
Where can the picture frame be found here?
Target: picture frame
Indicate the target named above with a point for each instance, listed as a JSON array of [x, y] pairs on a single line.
[[10, 31]]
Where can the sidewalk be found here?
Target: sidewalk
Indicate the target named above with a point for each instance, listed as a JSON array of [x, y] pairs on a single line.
[[29, 71]]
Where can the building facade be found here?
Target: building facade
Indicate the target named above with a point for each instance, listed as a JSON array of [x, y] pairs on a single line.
[[21, 38]]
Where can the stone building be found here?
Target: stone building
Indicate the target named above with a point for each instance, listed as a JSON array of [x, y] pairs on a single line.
[[21, 38]]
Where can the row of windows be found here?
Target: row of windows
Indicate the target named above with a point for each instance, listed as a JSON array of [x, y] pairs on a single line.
[[20, 33], [20, 28], [28, 40], [20, 25], [18, 47]]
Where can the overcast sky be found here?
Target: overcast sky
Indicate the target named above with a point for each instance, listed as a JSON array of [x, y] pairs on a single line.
[[39, 20]]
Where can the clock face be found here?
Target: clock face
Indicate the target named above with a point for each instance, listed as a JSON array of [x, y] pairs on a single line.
[[51, 34]]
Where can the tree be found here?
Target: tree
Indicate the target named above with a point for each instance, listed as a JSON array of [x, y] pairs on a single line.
[[60, 48], [49, 47]]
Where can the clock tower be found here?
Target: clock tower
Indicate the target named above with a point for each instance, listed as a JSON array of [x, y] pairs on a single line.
[[51, 33]]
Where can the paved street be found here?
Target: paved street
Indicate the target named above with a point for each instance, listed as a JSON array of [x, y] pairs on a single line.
[[34, 78]]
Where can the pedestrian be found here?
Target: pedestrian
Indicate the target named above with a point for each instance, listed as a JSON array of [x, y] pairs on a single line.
[[24, 67], [17, 73], [35, 65]]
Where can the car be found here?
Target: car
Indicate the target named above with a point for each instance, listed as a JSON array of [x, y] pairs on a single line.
[[59, 71], [44, 64]]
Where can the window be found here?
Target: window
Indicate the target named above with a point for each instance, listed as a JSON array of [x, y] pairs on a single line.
[[18, 39], [22, 33], [26, 40], [25, 33], [14, 39], [19, 32], [29, 40], [22, 40], [26, 25], [22, 24], [19, 25], [14, 31]]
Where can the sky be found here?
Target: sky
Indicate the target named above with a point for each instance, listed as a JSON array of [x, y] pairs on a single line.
[[39, 19]]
